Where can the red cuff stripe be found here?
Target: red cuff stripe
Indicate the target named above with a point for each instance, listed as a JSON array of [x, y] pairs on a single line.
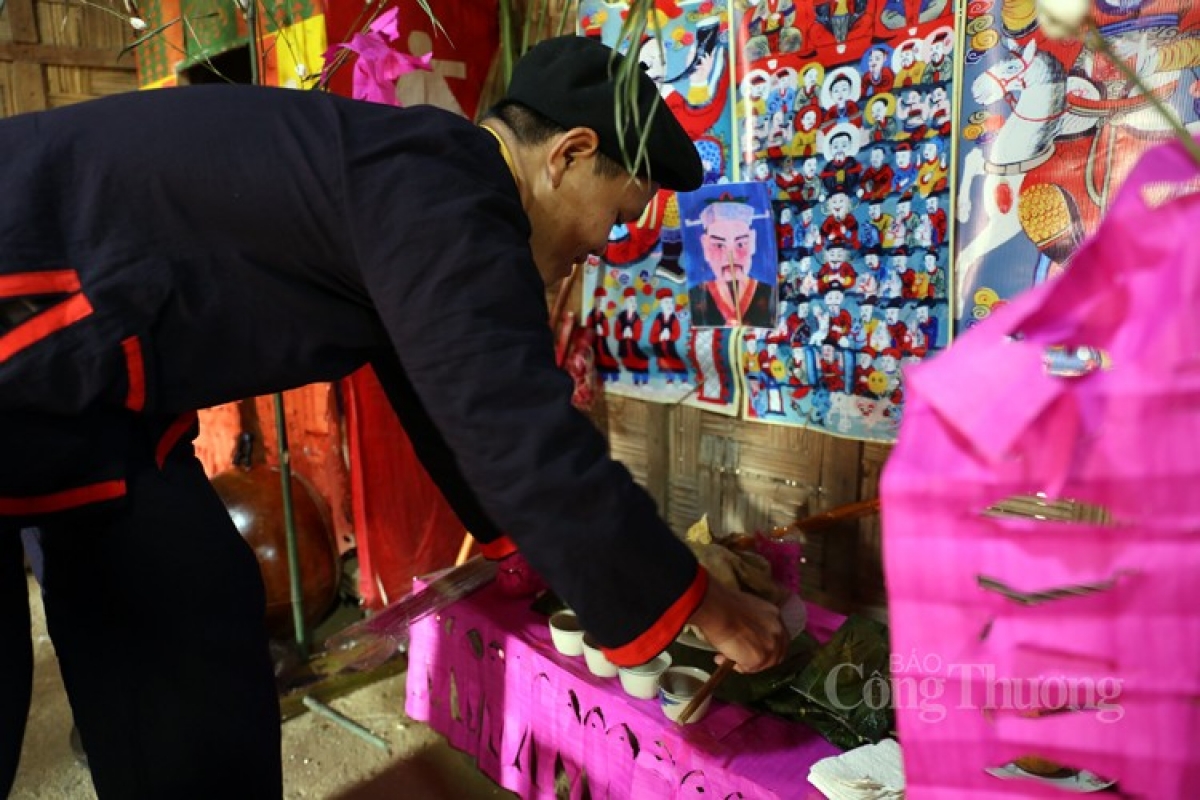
[[61, 501], [38, 327], [498, 548], [172, 436], [61, 281], [664, 631], [135, 399]]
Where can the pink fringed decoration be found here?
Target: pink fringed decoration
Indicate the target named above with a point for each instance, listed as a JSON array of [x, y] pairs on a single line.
[[379, 66], [987, 420]]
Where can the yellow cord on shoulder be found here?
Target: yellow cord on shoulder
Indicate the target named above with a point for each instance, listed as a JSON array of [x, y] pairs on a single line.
[[503, 150]]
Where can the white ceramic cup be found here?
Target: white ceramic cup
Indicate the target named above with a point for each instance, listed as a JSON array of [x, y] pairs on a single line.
[[642, 681], [598, 663], [566, 633], [676, 688]]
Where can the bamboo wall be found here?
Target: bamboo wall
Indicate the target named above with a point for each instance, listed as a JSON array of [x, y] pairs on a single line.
[[752, 477], [56, 53], [749, 477]]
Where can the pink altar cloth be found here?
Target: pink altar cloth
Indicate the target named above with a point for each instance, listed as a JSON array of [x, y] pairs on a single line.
[[485, 675]]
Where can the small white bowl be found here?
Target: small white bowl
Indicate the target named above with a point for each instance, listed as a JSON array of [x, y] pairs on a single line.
[[566, 633], [642, 681], [677, 687], [597, 662]]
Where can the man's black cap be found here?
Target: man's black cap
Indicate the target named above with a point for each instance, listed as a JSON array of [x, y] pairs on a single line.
[[571, 80]]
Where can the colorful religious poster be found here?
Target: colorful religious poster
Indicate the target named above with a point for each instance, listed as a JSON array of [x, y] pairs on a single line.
[[641, 287], [844, 111], [1050, 130]]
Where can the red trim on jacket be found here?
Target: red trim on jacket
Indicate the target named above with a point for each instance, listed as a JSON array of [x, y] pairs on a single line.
[[172, 435], [663, 632], [41, 325], [497, 548], [135, 398], [60, 281], [61, 501]]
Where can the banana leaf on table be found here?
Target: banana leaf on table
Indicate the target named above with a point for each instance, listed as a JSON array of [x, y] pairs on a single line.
[[844, 692]]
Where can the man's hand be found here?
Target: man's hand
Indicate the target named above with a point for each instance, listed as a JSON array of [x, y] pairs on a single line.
[[745, 629]]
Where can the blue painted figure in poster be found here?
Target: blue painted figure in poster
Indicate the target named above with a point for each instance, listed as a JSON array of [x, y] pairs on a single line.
[[1050, 130], [729, 255]]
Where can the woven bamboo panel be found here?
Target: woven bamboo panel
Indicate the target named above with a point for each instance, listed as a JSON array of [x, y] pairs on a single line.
[[752, 477], [55, 53]]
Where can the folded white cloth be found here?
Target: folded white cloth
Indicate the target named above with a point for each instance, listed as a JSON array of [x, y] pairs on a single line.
[[870, 772]]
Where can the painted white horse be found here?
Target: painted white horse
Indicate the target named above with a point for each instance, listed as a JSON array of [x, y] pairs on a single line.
[[1032, 84]]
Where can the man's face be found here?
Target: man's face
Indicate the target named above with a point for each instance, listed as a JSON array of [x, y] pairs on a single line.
[[833, 301], [872, 261], [810, 79], [840, 91], [806, 216], [827, 352], [875, 211], [900, 263], [729, 248], [892, 315], [875, 61], [903, 158], [802, 310], [757, 88], [904, 208], [906, 57], [930, 151], [785, 216], [572, 209], [809, 169], [838, 145], [837, 256], [931, 205], [762, 170], [938, 96], [922, 313], [876, 158], [879, 110], [866, 311], [668, 305], [930, 262], [838, 204], [806, 264], [936, 51], [631, 304], [808, 120]]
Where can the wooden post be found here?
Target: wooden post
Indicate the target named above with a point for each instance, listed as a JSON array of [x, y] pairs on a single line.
[[841, 477], [29, 77], [658, 455]]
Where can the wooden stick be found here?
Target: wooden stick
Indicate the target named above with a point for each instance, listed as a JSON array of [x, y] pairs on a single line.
[[825, 519], [317, 707], [464, 550], [707, 689]]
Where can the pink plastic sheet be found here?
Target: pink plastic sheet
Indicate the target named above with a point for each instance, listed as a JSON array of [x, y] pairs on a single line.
[[485, 675], [986, 421]]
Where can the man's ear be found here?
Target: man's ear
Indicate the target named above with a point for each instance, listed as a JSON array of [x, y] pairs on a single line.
[[569, 147]]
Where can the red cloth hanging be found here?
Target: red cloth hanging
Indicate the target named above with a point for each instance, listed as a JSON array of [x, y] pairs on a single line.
[[403, 525]]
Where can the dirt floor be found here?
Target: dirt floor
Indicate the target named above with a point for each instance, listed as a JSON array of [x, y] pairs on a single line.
[[320, 759]]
